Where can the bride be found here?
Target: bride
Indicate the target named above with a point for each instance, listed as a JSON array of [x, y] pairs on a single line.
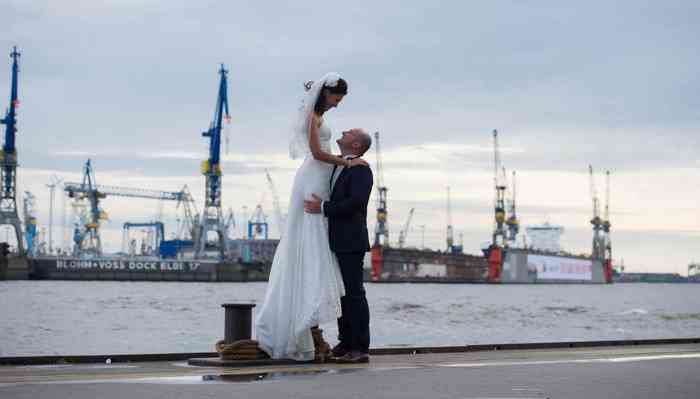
[[305, 284]]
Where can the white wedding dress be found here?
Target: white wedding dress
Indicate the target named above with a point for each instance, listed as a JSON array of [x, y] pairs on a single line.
[[305, 283]]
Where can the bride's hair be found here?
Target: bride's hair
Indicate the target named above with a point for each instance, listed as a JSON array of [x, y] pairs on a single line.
[[340, 88]]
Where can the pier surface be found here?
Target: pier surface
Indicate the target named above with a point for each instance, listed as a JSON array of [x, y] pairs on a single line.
[[666, 371]]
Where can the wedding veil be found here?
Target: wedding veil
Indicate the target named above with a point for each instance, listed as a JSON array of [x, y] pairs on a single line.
[[299, 143]]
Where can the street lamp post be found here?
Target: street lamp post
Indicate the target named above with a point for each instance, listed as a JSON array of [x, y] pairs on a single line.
[[52, 187]]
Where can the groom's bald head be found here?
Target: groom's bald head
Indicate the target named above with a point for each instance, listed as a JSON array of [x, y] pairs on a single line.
[[355, 141]]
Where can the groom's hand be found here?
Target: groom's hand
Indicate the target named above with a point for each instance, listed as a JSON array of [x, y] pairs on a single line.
[[314, 205]]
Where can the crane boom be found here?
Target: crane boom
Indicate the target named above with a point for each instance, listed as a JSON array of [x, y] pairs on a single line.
[[127, 192]]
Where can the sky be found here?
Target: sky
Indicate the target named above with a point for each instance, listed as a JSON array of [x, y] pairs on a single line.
[[132, 84]]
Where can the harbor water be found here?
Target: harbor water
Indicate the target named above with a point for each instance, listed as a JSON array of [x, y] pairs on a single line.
[[107, 317]]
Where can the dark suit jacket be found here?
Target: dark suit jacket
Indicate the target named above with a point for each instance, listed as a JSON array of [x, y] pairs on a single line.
[[347, 210]]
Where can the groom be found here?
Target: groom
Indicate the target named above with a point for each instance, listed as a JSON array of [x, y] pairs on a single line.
[[347, 228]]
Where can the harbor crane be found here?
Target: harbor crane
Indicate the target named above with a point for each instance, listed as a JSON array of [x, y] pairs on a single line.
[[257, 225], [279, 219], [86, 235], [495, 252], [404, 232], [450, 230], [598, 238], [212, 219], [189, 226], [381, 229], [230, 223], [606, 229], [499, 183], [512, 221], [606, 212], [8, 161], [451, 246]]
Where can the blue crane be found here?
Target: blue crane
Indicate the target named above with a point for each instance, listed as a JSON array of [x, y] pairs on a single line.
[[8, 168], [212, 219], [10, 120], [211, 168]]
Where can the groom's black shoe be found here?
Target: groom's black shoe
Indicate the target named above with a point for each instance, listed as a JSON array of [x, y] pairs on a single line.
[[353, 357], [339, 351]]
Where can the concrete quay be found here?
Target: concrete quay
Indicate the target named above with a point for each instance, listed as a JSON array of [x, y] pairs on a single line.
[[668, 370]]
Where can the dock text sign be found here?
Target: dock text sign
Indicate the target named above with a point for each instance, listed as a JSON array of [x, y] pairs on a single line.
[[126, 265]]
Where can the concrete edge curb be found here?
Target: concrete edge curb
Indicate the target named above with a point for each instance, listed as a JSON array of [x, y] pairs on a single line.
[[159, 357]]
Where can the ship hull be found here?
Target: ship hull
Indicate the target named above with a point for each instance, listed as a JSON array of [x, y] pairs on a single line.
[[144, 269]]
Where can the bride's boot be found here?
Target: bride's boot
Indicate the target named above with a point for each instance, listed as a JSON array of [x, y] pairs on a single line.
[[321, 348]]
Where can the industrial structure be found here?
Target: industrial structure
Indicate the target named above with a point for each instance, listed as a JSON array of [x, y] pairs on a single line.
[[212, 219], [8, 163], [31, 233], [542, 261], [230, 224], [596, 221], [86, 234], [512, 220], [499, 240], [411, 264], [500, 235], [279, 218], [258, 228], [606, 229], [404, 231], [449, 236], [381, 229], [602, 245], [150, 244]]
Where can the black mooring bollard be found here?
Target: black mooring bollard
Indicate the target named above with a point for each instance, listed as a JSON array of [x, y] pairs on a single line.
[[238, 321]]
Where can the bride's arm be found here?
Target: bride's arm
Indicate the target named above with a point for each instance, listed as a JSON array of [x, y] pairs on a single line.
[[315, 145]]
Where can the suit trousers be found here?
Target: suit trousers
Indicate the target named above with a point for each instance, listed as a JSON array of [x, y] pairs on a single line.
[[353, 325]]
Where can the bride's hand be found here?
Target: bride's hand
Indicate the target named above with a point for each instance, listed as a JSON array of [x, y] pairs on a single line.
[[356, 162]]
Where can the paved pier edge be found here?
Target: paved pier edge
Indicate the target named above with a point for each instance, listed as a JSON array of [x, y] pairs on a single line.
[[198, 356]]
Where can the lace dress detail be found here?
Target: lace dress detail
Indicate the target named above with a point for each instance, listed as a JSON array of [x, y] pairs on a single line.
[[305, 284]]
